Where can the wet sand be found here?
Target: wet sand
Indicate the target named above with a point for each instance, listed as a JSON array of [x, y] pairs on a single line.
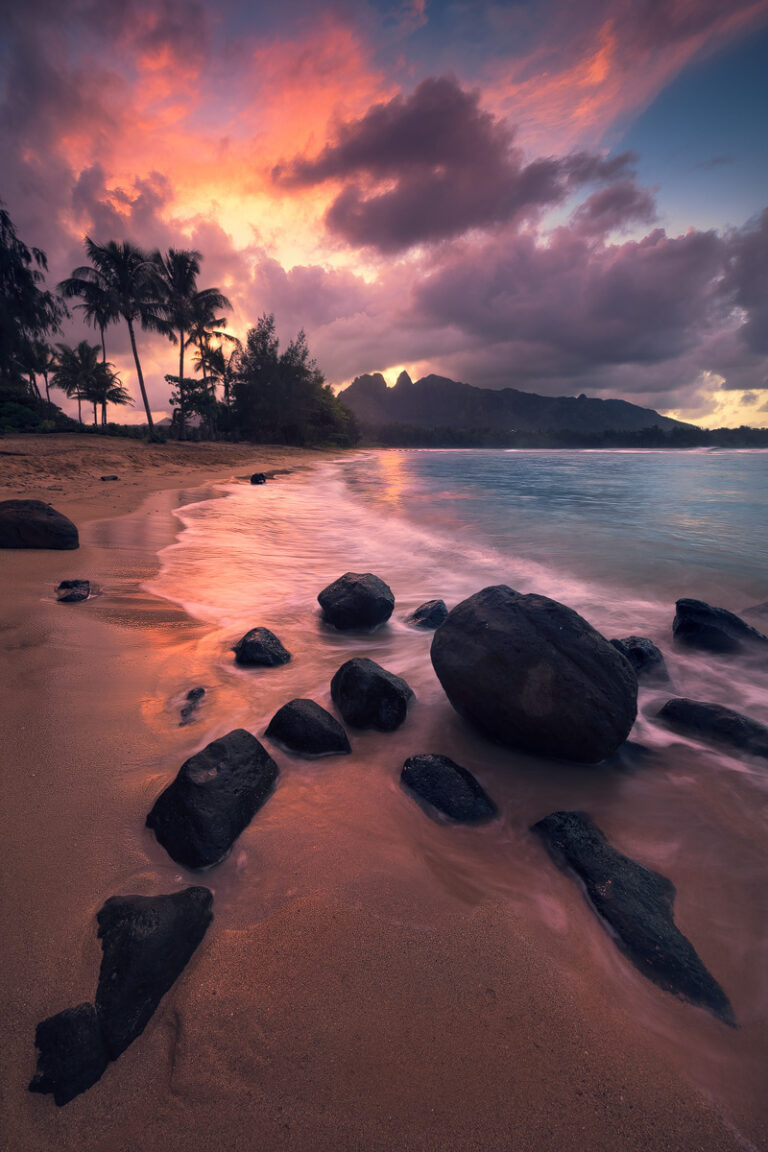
[[350, 994]]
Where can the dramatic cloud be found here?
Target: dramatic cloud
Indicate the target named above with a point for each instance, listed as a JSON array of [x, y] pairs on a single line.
[[446, 166], [615, 208]]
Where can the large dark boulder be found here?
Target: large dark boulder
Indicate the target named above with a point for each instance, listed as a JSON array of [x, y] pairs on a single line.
[[73, 591], [370, 697], [646, 659], [147, 942], [699, 625], [260, 648], [304, 727], [357, 600], [716, 723], [213, 798], [447, 787], [636, 904], [33, 524], [72, 1055], [532, 674], [430, 614]]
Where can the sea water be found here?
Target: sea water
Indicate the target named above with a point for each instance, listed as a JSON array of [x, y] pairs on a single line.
[[618, 536]]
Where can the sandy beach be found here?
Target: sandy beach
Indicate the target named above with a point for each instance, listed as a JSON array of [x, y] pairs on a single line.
[[358, 1005]]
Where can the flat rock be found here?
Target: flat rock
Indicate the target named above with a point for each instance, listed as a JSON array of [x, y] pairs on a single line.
[[147, 942], [430, 614], [73, 591], [716, 723], [637, 904], [532, 674], [214, 797], [449, 788], [260, 648], [33, 524], [191, 705], [304, 727], [646, 659], [357, 600], [699, 625], [370, 697], [72, 1055], [109, 477]]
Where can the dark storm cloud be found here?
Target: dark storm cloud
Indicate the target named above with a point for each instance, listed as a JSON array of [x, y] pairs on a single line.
[[432, 166], [613, 208]]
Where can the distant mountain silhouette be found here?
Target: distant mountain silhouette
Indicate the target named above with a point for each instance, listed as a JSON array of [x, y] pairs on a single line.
[[437, 402]]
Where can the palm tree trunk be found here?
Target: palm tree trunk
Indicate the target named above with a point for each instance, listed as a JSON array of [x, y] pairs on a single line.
[[103, 345], [140, 374], [95, 420], [79, 409], [103, 413], [182, 426], [47, 393]]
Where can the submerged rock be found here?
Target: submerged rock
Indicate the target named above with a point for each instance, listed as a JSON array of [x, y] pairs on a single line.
[[370, 697], [532, 674], [258, 478], [146, 942], [449, 788], [717, 723], [430, 614], [357, 600], [33, 524], [637, 905], [214, 797], [646, 659], [260, 648], [73, 591], [699, 625], [758, 612], [188, 710], [304, 727], [72, 1055]]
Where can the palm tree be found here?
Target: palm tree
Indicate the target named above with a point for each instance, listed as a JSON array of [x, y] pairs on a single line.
[[127, 275], [106, 388], [186, 309], [98, 304], [75, 371]]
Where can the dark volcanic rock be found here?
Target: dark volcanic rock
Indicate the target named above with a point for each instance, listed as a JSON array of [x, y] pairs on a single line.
[[146, 941], [644, 656], [73, 591], [637, 905], [260, 648], [430, 614], [33, 524], [109, 477], [188, 710], [213, 798], [714, 722], [449, 788], [699, 625], [533, 674], [370, 697], [72, 1056], [304, 727], [258, 478], [357, 600]]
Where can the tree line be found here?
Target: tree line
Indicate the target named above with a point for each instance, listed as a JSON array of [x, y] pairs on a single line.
[[686, 436], [252, 390]]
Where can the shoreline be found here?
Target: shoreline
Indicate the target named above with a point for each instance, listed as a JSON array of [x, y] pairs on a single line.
[[353, 1004]]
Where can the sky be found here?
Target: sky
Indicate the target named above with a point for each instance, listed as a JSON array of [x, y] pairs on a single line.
[[561, 196]]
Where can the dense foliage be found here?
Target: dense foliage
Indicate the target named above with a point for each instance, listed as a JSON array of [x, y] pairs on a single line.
[[412, 436]]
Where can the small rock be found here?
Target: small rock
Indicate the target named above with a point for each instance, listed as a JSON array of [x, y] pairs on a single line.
[[260, 648], [428, 615], [147, 942], [717, 723], [72, 1056], [73, 591], [304, 727], [109, 477], [357, 600], [699, 625], [188, 710], [449, 788], [636, 903], [213, 798], [258, 478], [33, 524], [646, 659], [533, 674], [370, 697]]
